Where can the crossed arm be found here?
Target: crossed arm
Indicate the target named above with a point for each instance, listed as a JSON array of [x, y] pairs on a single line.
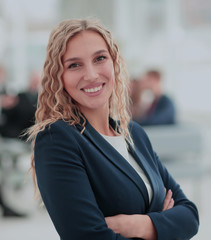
[[137, 225]]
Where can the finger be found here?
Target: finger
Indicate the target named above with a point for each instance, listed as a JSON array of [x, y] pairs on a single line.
[[167, 200], [171, 204], [108, 221]]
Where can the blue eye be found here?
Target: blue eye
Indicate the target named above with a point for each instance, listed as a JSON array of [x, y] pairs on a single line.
[[100, 58], [73, 65]]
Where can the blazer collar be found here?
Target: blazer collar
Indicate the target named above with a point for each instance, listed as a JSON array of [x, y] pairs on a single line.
[[116, 158]]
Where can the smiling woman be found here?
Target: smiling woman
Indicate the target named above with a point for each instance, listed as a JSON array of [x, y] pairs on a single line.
[[89, 74], [97, 173]]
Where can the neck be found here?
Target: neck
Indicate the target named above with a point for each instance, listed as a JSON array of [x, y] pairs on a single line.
[[99, 119]]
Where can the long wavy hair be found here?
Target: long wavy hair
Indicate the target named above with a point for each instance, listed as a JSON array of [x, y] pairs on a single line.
[[55, 103]]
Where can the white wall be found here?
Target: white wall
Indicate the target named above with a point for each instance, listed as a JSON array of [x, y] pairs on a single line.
[[181, 48]]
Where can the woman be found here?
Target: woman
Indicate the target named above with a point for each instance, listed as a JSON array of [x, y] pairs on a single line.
[[99, 178]]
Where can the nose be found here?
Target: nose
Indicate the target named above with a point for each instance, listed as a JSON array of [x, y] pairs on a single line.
[[90, 73]]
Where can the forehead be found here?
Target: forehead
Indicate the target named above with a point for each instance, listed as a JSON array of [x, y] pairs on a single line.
[[86, 41]]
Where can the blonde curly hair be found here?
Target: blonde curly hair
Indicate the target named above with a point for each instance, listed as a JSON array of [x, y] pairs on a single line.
[[55, 103]]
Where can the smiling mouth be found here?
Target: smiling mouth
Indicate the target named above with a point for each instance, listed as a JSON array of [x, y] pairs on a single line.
[[93, 90]]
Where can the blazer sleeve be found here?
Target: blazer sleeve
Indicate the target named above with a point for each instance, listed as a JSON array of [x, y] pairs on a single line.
[[181, 221], [65, 187]]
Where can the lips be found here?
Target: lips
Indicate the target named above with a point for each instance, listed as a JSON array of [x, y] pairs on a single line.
[[93, 89]]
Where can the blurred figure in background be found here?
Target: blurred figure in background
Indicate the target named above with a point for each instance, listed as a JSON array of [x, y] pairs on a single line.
[[18, 111], [150, 106], [16, 114], [2, 90]]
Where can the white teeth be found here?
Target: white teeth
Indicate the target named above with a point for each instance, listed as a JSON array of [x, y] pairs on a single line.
[[92, 90]]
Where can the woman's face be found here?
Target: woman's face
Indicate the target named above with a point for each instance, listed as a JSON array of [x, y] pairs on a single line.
[[88, 71]]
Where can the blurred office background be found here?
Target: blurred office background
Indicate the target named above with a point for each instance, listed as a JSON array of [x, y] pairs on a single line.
[[171, 35]]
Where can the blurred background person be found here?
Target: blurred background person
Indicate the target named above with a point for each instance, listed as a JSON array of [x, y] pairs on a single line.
[[150, 105], [2, 90], [17, 112], [6, 102]]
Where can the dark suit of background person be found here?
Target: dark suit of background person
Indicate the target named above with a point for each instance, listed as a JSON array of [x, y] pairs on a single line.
[[83, 179], [7, 211], [161, 112], [160, 109], [21, 114], [19, 117], [17, 114]]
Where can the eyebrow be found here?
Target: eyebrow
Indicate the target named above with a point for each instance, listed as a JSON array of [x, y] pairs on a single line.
[[77, 59]]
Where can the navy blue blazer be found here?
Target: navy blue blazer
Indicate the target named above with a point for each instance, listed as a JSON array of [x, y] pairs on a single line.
[[83, 179]]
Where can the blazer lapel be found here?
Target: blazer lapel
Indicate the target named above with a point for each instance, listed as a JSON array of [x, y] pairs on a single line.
[[116, 158], [144, 164], [157, 186]]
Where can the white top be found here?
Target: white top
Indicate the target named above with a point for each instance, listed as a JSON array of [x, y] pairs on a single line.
[[120, 145]]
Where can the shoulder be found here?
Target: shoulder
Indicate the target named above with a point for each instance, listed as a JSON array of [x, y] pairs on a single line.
[[58, 139], [58, 131], [138, 134], [141, 140], [166, 100], [136, 129]]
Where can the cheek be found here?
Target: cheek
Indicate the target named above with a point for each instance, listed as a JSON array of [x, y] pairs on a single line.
[[68, 82], [68, 88], [109, 72]]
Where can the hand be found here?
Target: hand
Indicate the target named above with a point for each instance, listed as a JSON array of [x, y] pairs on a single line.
[[120, 224], [132, 226], [169, 201]]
